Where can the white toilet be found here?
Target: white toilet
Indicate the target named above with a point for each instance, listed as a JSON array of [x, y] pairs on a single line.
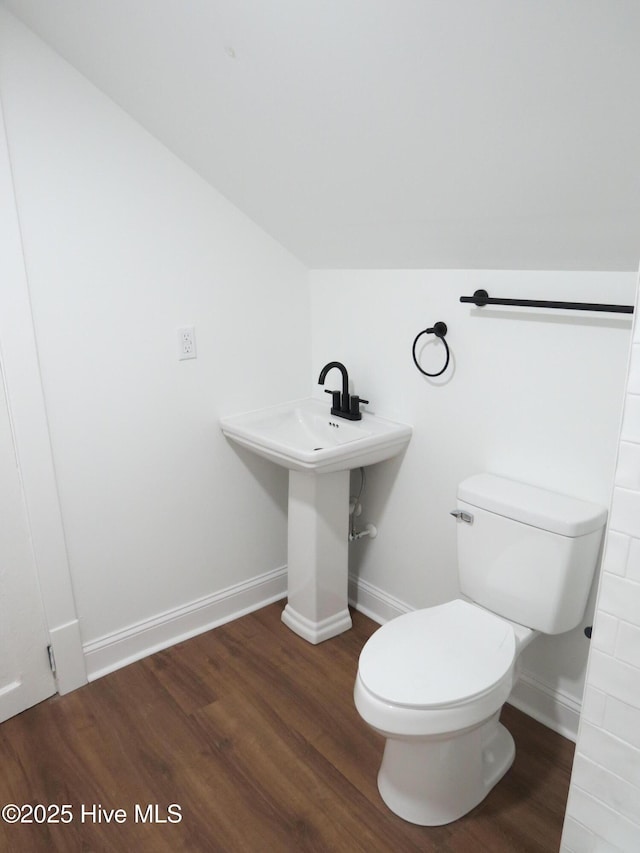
[[433, 681]]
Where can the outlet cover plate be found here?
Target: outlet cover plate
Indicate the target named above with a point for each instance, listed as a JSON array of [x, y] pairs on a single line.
[[187, 343]]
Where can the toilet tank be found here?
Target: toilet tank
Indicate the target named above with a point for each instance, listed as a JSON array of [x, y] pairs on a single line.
[[526, 553]]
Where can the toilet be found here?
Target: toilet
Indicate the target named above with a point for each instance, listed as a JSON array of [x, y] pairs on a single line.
[[433, 681]]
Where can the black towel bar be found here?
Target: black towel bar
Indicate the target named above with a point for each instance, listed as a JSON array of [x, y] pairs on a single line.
[[481, 297]]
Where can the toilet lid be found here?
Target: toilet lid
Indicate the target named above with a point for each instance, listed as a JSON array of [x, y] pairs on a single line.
[[439, 656]]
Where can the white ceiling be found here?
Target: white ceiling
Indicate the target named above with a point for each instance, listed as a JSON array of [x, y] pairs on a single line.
[[388, 133]]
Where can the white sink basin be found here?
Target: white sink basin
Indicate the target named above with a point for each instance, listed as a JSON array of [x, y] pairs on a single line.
[[303, 435]]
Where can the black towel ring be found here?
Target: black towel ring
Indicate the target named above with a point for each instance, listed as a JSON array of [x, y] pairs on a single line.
[[439, 330]]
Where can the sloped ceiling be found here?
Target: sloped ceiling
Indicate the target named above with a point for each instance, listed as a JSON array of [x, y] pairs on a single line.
[[388, 133]]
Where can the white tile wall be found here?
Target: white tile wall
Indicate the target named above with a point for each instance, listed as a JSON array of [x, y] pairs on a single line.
[[633, 561], [631, 419], [604, 827], [605, 632], [628, 473], [620, 597], [594, 703], [633, 383], [625, 511], [603, 810]]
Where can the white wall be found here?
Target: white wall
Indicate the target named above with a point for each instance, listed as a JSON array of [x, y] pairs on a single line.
[[124, 244], [532, 395], [603, 811]]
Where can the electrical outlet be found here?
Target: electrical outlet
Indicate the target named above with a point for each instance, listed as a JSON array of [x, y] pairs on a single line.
[[187, 343]]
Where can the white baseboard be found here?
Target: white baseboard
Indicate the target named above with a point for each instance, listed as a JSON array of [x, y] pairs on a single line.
[[373, 602], [546, 704], [116, 650], [551, 707], [69, 658]]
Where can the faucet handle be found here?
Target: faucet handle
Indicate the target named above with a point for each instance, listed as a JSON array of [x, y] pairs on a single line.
[[335, 399], [354, 406]]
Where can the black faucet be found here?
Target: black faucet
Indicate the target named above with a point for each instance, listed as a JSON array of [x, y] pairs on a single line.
[[343, 406]]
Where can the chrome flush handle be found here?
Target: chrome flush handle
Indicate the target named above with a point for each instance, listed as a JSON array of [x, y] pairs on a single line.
[[461, 515]]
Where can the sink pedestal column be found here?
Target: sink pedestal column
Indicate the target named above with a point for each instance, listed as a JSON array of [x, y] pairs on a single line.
[[318, 555]]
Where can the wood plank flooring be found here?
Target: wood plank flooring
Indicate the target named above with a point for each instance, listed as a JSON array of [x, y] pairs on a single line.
[[252, 732]]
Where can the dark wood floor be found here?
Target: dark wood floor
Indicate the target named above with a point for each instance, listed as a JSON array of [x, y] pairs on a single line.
[[252, 732]]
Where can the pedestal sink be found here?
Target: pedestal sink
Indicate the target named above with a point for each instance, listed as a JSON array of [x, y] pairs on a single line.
[[319, 450]]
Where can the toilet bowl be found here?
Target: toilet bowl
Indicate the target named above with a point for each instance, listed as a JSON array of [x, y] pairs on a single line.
[[433, 681], [437, 701]]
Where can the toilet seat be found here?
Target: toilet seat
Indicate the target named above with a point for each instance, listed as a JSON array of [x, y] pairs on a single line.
[[439, 657]]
